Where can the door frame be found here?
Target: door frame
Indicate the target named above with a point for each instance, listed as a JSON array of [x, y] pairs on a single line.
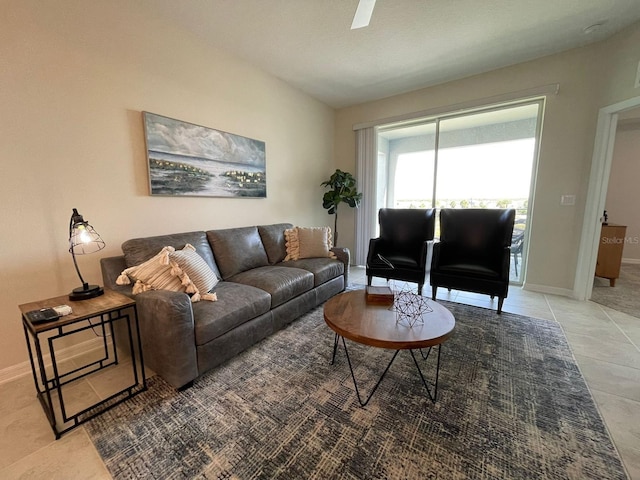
[[597, 194]]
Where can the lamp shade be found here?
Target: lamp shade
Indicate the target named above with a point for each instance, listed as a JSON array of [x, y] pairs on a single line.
[[83, 239]]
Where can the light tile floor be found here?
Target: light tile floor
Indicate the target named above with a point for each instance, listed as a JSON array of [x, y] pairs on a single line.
[[606, 345]]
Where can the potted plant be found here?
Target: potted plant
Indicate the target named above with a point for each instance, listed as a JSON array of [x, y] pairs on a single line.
[[343, 189]]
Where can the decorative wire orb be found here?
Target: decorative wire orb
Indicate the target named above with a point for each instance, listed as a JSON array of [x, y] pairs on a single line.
[[409, 307]]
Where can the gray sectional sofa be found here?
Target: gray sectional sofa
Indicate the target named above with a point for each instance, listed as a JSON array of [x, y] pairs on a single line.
[[259, 293]]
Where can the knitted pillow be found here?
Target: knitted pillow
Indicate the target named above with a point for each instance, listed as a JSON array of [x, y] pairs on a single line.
[[162, 273], [308, 242]]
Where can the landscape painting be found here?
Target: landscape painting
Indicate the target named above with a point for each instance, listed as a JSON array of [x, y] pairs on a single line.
[[191, 160]]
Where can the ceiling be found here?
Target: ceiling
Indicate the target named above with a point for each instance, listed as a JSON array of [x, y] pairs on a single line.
[[409, 44]]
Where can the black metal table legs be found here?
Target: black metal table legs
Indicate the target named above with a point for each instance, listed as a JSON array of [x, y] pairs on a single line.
[[434, 384], [49, 386]]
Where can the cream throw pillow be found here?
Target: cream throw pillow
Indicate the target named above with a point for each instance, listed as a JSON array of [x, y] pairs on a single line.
[[161, 272], [308, 242], [154, 274]]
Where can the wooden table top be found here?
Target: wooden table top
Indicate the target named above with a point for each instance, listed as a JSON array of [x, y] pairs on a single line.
[[349, 315], [81, 309]]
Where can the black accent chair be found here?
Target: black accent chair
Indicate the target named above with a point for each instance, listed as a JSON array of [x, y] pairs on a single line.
[[474, 251], [403, 249]]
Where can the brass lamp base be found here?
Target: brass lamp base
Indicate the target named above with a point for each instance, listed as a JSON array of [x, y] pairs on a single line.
[[86, 292]]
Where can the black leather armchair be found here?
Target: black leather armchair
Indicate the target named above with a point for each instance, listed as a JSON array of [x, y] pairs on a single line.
[[474, 251], [403, 250]]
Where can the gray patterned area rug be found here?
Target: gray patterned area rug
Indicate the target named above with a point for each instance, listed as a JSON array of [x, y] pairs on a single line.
[[511, 404], [625, 296]]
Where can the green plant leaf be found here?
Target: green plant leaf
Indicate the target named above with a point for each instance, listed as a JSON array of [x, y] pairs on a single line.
[[343, 189]]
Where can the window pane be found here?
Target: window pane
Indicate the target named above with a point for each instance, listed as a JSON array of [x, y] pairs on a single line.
[[411, 153], [496, 175], [485, 160], [414, 180]]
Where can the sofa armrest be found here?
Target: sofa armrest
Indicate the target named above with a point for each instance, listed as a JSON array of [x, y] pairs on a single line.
[[344, 255], [168, 336], [506, 262], [435, 257], [111, 268], [426, 255]]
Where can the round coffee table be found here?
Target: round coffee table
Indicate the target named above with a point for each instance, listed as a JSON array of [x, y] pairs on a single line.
[[350, 316]]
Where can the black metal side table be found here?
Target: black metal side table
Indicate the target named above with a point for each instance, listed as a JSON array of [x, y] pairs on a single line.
[[113, 317]]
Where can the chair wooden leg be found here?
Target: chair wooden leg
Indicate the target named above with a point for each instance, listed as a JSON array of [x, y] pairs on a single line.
[[500, 302], [369, 277], [420, 288], [434, 289]]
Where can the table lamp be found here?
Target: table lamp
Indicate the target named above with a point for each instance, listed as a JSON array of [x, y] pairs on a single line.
[[83, 239]]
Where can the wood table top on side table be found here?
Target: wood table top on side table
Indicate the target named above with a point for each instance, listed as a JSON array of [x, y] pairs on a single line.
[[81, 309]]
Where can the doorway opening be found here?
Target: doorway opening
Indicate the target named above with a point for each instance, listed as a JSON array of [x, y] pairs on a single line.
[[596, 195]]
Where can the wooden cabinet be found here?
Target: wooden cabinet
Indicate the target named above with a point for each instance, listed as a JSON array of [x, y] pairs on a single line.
[[610, 252]]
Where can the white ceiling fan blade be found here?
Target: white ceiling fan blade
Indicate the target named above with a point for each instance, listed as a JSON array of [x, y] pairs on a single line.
[[363, 14]]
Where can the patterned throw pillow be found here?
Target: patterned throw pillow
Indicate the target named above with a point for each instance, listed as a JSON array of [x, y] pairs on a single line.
[[161, 272], [308, 242], [195, 267]]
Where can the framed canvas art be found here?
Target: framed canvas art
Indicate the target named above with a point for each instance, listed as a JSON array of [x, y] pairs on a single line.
[[191, 160]]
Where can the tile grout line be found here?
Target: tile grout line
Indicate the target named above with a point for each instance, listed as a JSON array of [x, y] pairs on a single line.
[[617, 326], [553, 314]]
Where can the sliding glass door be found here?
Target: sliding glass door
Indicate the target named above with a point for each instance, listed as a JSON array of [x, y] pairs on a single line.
[[483, 159], [412, 160]]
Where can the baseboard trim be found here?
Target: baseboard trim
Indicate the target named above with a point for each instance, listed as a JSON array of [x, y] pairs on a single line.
[[21, 369], [635, 261], [563, 292]]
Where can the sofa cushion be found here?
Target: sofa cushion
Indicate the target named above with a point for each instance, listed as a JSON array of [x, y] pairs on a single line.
[[237, 250], [323, 269], [236, 305], [471, 269], [308, 242], [140, 250], [281, 283], [273, 240]]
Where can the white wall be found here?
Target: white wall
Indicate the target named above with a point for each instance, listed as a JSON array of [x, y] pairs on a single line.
[[566, 146], [74, 77]]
